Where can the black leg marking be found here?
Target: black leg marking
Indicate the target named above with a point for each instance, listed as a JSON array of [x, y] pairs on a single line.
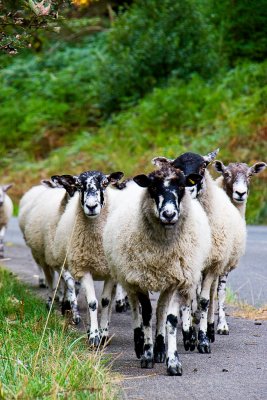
[[65, 306], [139, 342], [190, 339], [211, 331], [146, 308], [104, 302], [204, 304], [92, 305], [159, 349], [172, 319]]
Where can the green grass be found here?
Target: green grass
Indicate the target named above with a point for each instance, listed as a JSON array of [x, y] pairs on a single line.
[[65, 368]]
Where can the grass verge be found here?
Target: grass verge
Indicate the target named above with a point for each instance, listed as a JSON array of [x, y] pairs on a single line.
[[65, 367], [242, 309]]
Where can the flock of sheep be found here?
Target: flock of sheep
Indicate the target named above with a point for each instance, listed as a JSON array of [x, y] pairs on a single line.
[[175, 231]]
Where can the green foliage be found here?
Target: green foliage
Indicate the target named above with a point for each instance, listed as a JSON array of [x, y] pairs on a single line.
[[65, 367], [148, 43], [242, 28]]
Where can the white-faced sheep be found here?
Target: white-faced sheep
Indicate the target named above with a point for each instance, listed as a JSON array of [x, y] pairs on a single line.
[[78, 241], [6, 212], [157, 239], [235, 181], [228, 237]]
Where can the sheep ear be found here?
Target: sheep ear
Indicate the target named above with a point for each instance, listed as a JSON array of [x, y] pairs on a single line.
[[160, 161], [219, 166], [142, 180], [114, 177], [48, 183], [193, 179], [210, 156], [68, 182], [256, 168], [5, 188]]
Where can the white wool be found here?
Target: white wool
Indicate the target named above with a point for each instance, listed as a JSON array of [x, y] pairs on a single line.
[[147, 256], [6, 211]]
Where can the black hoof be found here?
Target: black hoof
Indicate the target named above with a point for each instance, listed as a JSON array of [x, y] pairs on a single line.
[[175, 371], [76, 319], [174, 367], [94, 342], [42, 284], [120, 306], [147, 362], [203, 343], [48, 304], [190, 339], [211, 332], [65, 306], [159, 350], [138, 342], [223, 332], [105, 341]]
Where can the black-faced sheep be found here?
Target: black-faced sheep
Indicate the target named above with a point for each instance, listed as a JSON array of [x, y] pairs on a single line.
[[157, 239]]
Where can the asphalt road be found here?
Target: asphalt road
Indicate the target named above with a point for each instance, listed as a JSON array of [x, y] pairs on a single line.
[[236, 368]]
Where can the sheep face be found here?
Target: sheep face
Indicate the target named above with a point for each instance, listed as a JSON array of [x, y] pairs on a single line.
[[189, 163], [3, 190], [91, 186], [236, 178], [166, 188]]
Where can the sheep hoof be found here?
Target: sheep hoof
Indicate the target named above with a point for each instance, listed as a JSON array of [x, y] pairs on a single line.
[[159, 350], [94, 342], [147, 361], [48, 303], [138, 342], [76, 319], [223, 331], [105, 341], [42, 284], [174, 366], [203, 343], [211, 332], [65, 306], [190, 339]]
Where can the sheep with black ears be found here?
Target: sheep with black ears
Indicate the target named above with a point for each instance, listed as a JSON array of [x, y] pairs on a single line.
[[228, 236], [158, 239], [235, 181], [78, 241], [6, 212]]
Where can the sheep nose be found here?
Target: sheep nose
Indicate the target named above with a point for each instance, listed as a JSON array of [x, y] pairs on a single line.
[[240, 194], [91, 208], [169, 215]]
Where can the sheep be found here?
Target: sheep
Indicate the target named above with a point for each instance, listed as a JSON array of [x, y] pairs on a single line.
[[6, 212], [228, 236], [235, 180], [25, 207], [78, 240], [40, 210], [121, 300], [157, 239]]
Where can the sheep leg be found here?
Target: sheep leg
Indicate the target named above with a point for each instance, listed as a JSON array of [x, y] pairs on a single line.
[[93, 331], [222, 327], [174, 366], [211, 327], [106, 302], [147, 359], [189, 331], [71, 296], [2, 235], [122, 303], [137, 324], [161, 315], [203, 340]]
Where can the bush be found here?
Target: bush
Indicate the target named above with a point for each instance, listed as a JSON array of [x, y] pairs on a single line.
[[149, 43]]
